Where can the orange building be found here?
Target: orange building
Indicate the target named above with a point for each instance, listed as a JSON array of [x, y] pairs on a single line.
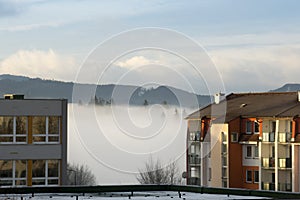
[[247, 140]]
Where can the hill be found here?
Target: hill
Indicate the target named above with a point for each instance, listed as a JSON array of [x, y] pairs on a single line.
[[40, 88], [289, 87]]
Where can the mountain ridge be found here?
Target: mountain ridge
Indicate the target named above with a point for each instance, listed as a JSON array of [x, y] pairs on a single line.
[[45, 88]]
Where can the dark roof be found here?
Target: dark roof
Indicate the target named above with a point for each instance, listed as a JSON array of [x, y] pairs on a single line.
[[267, 104]]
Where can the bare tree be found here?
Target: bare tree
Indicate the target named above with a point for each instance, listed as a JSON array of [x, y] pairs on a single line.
[[80, 175], [156, 173]]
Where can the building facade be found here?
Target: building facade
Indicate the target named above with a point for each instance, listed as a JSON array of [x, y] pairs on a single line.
[[254, 143], [33, 142]]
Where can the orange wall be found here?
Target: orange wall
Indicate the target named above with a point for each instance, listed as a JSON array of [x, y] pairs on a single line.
[[253, 186], [235, 157]]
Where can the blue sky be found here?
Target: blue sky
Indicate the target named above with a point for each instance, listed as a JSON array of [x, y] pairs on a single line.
[[254, 44]]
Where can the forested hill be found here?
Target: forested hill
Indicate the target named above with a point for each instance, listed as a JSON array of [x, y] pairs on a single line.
[[40, 88]]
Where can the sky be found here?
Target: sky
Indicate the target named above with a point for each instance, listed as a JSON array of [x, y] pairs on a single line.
[[252, 45]]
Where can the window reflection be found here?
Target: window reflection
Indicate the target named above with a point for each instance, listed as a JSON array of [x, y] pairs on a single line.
[[45, 129], [38, 168]]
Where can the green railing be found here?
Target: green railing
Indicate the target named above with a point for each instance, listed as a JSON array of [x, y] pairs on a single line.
[[81, 190]]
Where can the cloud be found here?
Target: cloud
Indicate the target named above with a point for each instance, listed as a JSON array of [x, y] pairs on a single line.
[[258, 68], [36, 63], [27, 27], [135, 61]]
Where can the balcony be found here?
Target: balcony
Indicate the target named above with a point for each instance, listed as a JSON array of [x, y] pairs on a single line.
[[193, 181], [284, 137], [284, 163], [268, 162], [285, 187], [267, 186], [268, 137], [194, 160], [194, 136]]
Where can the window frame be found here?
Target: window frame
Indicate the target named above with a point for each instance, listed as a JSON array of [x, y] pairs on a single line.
[[248, 122], [256, 176], [14, 135], [47, 135], [256, 151], [46, 178], [13, 177], [247, 176], [234, 137], [249, 147]]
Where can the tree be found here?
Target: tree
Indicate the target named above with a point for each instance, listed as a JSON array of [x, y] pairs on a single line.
[[156, 173], [80, 175], [146, 102]]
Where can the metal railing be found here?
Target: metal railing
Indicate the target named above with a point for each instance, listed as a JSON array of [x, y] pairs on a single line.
[[147, 188]]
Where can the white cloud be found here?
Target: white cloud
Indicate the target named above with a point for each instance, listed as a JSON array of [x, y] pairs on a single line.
[[135, 61], [27, 27], [36, 63], [258, 68]]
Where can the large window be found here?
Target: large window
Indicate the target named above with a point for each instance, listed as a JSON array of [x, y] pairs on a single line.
[[13, 173], [13, 129], [45, 172], [45, 129]]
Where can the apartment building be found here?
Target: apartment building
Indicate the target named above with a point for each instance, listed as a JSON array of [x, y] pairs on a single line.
[[33, 141], [248, 140]]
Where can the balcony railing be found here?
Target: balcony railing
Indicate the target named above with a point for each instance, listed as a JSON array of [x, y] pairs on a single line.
[[284, 137], [267, 186], [193, 181], [194, 160], [268, 162], [194, 136], [285, 187], [269, 137], [284, 163]]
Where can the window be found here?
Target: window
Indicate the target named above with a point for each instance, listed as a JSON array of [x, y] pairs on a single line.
[[195, 136], [45, 129], [249, 127], [45, 172], [224, 172], [256, 152], [13, 173], [224, 161], [224, 148], [248, 176], [234, 137], [224, 184], [194, 172], [256, 127], [256, 176], [209, 174], [273, 126], [224, 137], [13, 129], [249, 151]]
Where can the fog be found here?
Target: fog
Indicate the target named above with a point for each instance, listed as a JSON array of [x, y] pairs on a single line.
[[116, 141]]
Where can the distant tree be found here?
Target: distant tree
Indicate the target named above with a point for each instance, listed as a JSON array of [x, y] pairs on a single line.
[[155, 173], [80, 175], [80, 102], [165, 102], [146, 102], [176, 111]]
